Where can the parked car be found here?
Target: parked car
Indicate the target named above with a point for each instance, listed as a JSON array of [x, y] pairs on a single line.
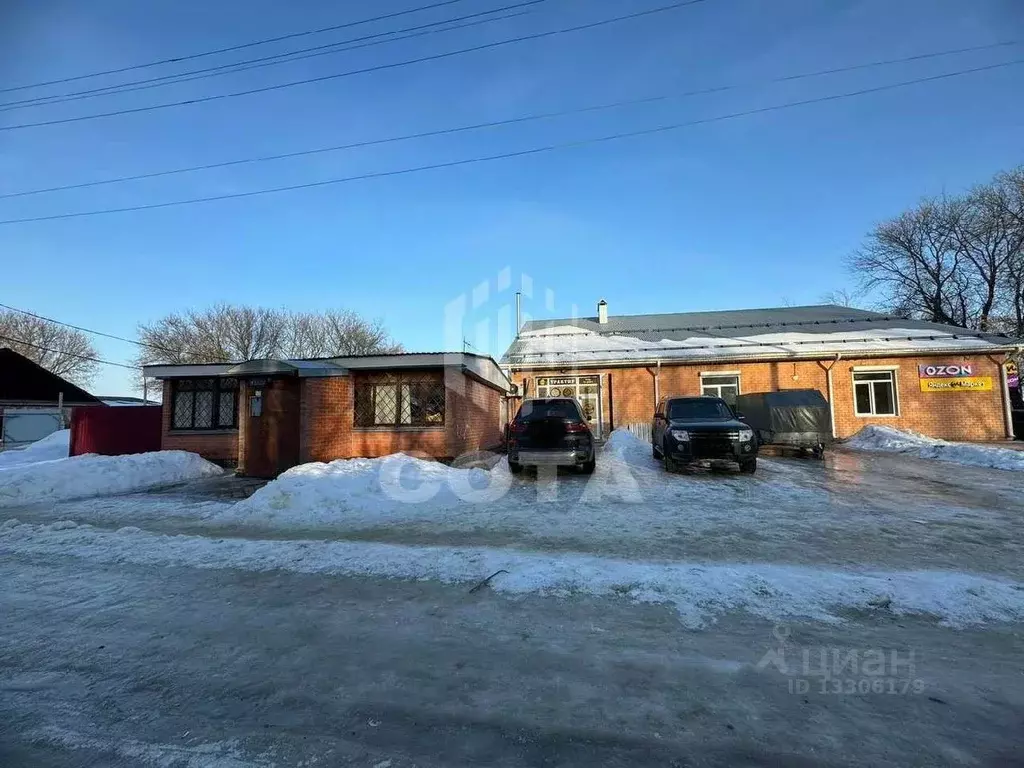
[[792, 418], [551, 432], [704, 431]]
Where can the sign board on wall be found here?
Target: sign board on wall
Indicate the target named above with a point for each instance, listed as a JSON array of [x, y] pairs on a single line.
[[952, 377], [1012, 375]]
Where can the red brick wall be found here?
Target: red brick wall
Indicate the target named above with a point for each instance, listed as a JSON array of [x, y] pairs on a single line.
[[327, 431], [473, 415], [949, 415], [220, 446]]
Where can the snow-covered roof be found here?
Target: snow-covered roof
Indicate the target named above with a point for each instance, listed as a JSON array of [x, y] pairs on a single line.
[[784, 332]]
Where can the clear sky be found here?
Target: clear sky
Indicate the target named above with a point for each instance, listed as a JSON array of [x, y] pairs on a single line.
[[751, 212]]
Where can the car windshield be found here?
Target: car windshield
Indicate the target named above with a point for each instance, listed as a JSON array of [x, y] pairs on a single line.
[[547, 409], [698, 409]]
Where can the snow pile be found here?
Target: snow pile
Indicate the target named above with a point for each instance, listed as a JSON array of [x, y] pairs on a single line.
[[367, 491], [699, 592], [875, 438], [90, 475], [50, 448], [624, 446]]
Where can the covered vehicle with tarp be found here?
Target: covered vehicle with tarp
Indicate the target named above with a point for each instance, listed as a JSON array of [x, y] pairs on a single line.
[[794, 418]]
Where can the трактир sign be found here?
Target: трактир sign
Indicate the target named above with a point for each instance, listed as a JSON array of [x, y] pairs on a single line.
[[952, 377]]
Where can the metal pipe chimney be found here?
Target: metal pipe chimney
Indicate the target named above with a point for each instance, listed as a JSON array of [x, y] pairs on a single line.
[[602, 311]]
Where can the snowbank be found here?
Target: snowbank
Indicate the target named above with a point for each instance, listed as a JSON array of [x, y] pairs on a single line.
[[699, 592], [874, 438], [90, 475], [50, 448], [367, 491]]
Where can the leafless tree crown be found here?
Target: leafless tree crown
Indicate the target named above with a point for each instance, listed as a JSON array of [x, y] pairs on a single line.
[[228, 333], [956, 260], [60, 350]]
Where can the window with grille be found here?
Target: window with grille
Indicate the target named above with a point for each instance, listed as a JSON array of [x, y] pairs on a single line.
[[874, 393], [725, 387], [204, 404], [399, 400]]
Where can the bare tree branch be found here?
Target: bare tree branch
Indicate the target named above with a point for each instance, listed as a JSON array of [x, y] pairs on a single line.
[[56, 348]]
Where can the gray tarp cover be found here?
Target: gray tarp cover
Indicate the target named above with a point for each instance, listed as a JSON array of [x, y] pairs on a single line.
[[782, 416]]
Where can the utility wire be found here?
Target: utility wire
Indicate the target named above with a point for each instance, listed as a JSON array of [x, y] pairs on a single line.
[[69, 354], [519, 153], [241, 46], [99, 333], [340, 46], [492, 124], [364, 70]]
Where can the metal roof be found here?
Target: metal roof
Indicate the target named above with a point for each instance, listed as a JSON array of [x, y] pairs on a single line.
[[735, 334], [480, 366]]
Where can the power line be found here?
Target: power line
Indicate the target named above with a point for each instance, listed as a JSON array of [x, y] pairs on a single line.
[[518, 153], [364, 70], [99, 333], [228, 49], [495, 123], [69, 354], [280, 58]]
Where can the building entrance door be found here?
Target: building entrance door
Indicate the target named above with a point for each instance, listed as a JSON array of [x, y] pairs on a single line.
[[586, 389]]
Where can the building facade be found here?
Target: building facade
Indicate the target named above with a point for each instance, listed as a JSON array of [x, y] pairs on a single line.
[[937, 380], [265, 416]]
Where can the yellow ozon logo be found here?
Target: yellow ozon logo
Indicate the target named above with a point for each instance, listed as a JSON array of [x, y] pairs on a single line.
[[967, 383]]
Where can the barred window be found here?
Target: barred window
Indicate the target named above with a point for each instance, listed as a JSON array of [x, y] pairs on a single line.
[[204, 403], [399, 400]]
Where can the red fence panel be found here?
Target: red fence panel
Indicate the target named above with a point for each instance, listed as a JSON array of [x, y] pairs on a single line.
[[115, 430]]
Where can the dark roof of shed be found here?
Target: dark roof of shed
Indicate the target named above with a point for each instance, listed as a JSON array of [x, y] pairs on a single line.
[[23, 380]]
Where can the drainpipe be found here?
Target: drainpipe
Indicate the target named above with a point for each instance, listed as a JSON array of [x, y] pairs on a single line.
[[657, 384], [1007, 405], [832, 393]]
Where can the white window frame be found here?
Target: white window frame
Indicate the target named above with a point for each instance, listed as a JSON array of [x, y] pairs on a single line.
[[891, 369], [718, 393]]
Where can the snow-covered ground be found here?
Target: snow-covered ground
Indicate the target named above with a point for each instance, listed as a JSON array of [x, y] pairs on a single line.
[[331, 618], [876, 438], [91, 475], [50, 448], [699, 592]]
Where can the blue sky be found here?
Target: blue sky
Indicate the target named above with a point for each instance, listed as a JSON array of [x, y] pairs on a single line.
[[751, 212]]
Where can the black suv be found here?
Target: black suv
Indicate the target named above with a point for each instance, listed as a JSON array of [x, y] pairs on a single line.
[[553, 432], [701, 430]]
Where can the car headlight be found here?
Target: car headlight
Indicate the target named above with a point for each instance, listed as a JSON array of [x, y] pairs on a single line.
[[746, 435], [680, 434]]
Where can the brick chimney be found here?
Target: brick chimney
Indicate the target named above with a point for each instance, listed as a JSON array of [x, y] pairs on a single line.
[[602, 311]]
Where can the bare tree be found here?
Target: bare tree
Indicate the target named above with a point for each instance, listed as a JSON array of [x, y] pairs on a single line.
[[954, 260], [844, 297], [60, 350], [914, 261], [228, 333]]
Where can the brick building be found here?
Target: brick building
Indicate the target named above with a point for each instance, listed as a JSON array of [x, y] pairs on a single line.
[[934, 379], [264, 416]]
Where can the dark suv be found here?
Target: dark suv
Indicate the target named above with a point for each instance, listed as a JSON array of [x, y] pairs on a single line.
[[550, 431], [701, 430]]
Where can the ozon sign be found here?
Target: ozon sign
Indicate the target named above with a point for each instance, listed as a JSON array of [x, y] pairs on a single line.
[[945, 370]]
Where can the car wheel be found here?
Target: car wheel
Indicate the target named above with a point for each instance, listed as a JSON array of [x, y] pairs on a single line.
[[515, 467], [588, 467], [748, 467], [670, 466]]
